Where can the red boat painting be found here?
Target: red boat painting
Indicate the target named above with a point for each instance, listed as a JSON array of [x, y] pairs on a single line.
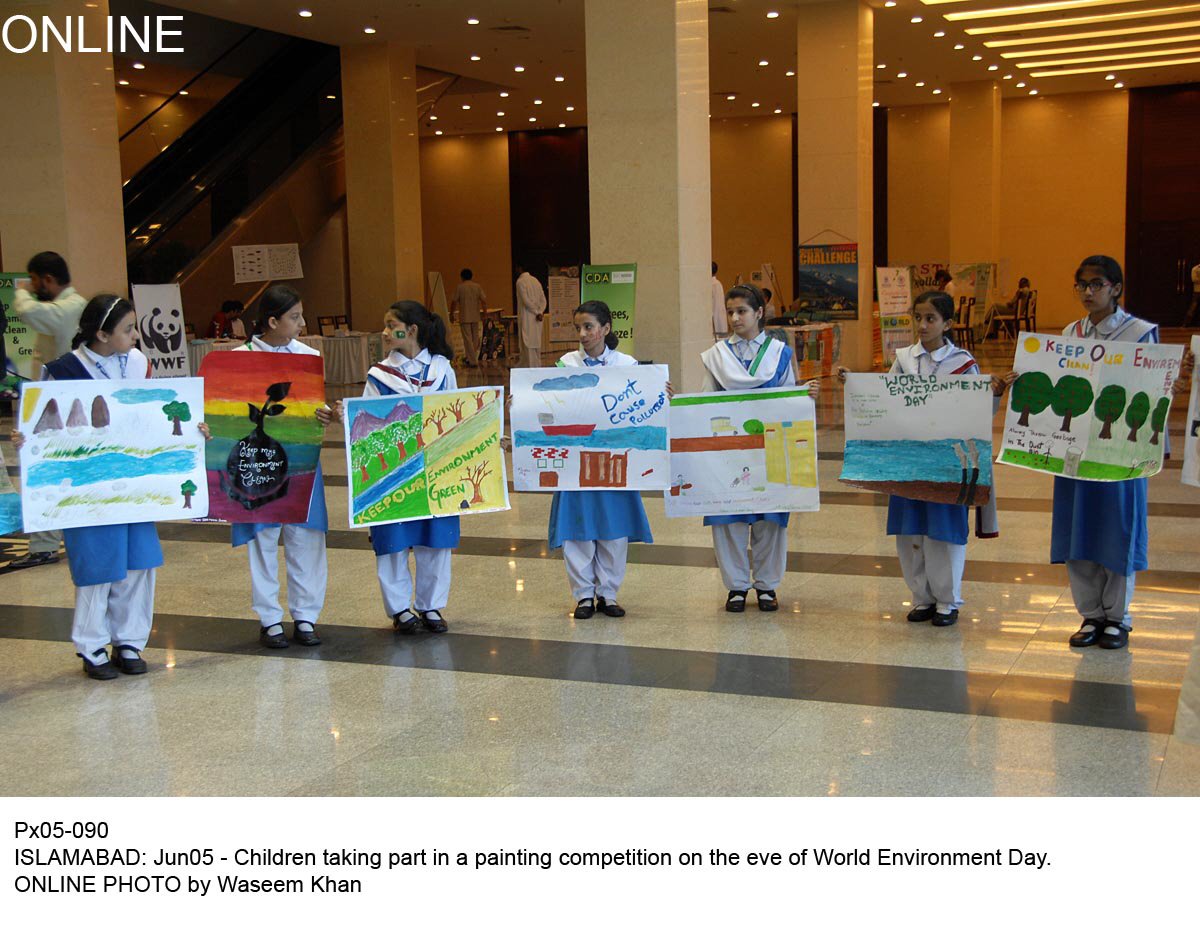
[[546, 420]]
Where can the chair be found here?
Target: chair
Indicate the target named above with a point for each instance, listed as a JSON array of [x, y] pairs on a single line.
[[963, 333], [1033, 310], [327, 324], [1027, 312], [341, 323], [1009, 321]]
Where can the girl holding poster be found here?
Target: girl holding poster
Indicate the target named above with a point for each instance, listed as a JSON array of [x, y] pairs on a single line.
[[594, 528], [751, 549], [280, 321], [418, 361], [931, 537], [1099, 529], [113, 566]]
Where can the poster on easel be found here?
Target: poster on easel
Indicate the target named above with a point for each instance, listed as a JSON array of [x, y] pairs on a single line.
[[828, 280], [563, 298], [894, 285], [616, 285], [439, 307], [24, 360], [1191, 430], [159, 310]]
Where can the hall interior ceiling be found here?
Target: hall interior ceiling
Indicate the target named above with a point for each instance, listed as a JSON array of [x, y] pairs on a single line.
[[520, 64]]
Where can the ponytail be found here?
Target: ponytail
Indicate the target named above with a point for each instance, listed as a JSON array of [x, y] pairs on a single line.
[[431, 328], [598, 310], [102, 314]]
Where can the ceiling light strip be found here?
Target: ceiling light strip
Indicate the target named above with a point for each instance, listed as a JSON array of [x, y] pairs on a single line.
[[1174, 62], [1157, 53], [1106, 46], [1032, 9], [1085, 20], [1094, 34]]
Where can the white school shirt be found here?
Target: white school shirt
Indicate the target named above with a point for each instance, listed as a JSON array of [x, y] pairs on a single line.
[[292, 347], [720, 318]]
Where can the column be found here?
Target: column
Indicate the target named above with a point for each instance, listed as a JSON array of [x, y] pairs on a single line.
[[60, 189], [974, 172], [835, 73], [383, 178], [648, 169]]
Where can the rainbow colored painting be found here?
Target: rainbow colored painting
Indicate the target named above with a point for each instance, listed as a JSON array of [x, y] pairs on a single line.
[[266, 440]]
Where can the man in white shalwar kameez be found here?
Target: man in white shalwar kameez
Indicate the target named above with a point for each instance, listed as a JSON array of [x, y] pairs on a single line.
[[531, 306]]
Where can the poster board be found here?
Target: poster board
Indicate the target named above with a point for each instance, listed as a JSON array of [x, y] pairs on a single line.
[[1090, 410], [10, 501], [160, 324], [923, 277], [616, 285], [828, 280], [563, 299], [927, 438], [256, 263], [590, 428], [425, 455], [743, 452], [1191, 430], [261, 463], [106, 452], [894, 285], [20, 341]]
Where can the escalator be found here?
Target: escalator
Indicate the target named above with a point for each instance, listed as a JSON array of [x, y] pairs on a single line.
[[180, 202]]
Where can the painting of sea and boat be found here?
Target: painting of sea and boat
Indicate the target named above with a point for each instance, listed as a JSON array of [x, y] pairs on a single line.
[[101, 452], [427, 455], [925, 438], [590, 428]]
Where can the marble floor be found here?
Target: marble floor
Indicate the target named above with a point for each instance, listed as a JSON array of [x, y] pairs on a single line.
[[835, 694]]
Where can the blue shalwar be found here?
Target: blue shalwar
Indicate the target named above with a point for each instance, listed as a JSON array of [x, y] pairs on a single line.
[[594, 527]]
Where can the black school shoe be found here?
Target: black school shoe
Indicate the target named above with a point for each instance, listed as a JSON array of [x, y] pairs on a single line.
[[103, 670], [434, 622], [612, 609], [922, 614], [736, 601], [1114, 641], [32, 560], [767, 602], [1088, 633], [276, 641], [305, 638], [406, 622], [944, 621], [584, 608], [129, 661]]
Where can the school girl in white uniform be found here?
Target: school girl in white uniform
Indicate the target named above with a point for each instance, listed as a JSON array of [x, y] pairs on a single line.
[[418, 361], [280, 321], [751, 549], [594, 528]]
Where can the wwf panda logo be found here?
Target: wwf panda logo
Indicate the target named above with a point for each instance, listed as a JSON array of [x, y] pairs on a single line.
[[162, 331]]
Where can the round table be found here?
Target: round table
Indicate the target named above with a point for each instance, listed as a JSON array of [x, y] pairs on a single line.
[[347, 357]]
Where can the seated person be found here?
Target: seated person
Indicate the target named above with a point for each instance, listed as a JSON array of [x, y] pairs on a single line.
[[227, 323]]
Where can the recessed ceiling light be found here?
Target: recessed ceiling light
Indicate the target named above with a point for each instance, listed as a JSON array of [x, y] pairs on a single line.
[[570, 109], [433, 118], [1033, 93], [763, 63], [504, 93], [499, 128], [1008, 77], [183, 93], [562, 125], [369, 30], [880, 67], [876, 103], [438, 132], [1021, 83], [959, 47], [1110, 76], [902, 74], [939, 35], [937, 91], [890, 3], [732, 96], [519, 68], [559, 79], [772, 15], [537, 102], [920, 83], [305, 14], [123, 83], [789, 74], [533, 118], [500, 113], [472, 22], [1118, 85], [475, 58], [977, 57], [917, 19], [330, 96], [993, 67], [754, 105], [466, 106], [778, 111], [138, 66]]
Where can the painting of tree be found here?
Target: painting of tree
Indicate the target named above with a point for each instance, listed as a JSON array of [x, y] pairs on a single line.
[[1158, 419], [481, 398], [360, 454], [1137, 413], [1072, 396], [188, 489], [752, 426], [437, 418], [1031, 394], [475, 476], [456, 408], [377, 443], [178, 412], [1109, 406]]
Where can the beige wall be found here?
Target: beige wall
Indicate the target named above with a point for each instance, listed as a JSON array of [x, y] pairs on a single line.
[[464, 212], [918, 187], [1062, 195], [1062, 191], [752, 198]]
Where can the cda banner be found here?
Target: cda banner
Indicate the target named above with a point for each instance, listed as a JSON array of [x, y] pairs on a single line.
[[1090, 410], [616, 285]]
